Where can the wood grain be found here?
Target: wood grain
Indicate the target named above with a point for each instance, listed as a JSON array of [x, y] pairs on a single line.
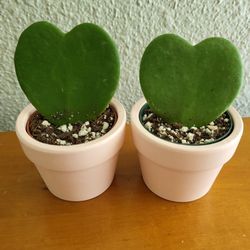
[[127, 215]]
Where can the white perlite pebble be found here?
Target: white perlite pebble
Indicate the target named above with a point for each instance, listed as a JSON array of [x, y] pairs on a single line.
[[105, 126], [194, 128], [183, 141], [226, 120], [63, 128], [84, 129], [61, 142], [45, 123], [171, 137], [70, 127], [148, 126], [208, 131], [212, 127], [173, 132], [144, 118], [162, 130], [209, 140], [211, 123], [198, 133], [184, 129], [83, 132], [190, 136], [75, 135], [150, 115]]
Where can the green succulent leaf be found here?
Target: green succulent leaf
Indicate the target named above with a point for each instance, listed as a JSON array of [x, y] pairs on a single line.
[[192, 85], [68, 77]]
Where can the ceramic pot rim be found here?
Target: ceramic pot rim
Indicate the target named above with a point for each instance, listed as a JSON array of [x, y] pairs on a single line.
[[234, 135], [25, 138]]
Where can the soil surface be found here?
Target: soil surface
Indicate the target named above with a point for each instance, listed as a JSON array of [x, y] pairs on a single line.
[[71, 134], [178, 133]]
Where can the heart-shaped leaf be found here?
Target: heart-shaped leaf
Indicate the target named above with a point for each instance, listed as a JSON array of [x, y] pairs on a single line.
[[192, 85], [68, 77]]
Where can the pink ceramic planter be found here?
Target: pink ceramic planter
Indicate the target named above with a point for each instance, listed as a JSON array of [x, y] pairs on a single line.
[[77, 172], [178, 172]]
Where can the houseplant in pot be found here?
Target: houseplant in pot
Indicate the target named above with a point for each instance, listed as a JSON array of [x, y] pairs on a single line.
[[186, 129], [72, 131]]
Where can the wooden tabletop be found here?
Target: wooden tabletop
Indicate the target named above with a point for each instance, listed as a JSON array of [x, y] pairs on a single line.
[[127, 215]]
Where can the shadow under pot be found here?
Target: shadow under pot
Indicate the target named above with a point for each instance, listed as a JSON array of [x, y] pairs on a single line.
[[75, 172], [180, 172]]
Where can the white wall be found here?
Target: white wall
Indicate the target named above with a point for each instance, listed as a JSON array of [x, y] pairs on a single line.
[[132, 24]]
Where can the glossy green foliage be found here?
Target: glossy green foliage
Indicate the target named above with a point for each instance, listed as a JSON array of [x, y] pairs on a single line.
[[192, 85], [67, 77]]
